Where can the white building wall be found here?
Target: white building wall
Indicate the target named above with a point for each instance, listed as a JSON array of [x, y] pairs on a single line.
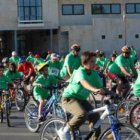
[[88, 29], [9, 16]]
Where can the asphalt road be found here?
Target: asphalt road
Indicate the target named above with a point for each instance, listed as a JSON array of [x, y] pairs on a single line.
[[18, 130]]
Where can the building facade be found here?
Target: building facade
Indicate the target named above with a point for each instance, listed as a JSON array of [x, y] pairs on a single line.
[[42, 25]]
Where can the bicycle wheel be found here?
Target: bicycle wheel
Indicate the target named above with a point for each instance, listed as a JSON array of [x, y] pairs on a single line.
[[92, 100], [123, 110], [126, 132], [135, 116], [31, 115], [59, 112], [7, 113], [20, 100], [1, 116]]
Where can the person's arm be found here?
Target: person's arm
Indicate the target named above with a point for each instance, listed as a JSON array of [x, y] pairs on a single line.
[[124, 71], [86, 85], [69, 70]]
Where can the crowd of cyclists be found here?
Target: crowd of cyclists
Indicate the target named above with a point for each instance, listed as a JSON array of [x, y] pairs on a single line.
[[86, 72]]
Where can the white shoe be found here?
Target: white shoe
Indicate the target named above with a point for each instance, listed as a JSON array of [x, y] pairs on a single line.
[[64, 135]]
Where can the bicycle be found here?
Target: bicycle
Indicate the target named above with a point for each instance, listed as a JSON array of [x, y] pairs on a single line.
[[135, 116], [18, 94], [51, 106], [5, 106], [117, 130]]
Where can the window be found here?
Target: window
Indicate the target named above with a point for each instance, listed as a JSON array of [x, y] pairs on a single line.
[[73, 9], [106, 8], [133, 8], [30, 11], [136, 35], [120, 36], [103, 36]]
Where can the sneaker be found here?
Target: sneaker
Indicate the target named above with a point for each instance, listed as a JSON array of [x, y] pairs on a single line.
[[64, 135], [41, 119]]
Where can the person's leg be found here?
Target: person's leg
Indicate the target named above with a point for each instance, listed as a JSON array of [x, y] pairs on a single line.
[[41, 101], [76, 109], [93, 118]]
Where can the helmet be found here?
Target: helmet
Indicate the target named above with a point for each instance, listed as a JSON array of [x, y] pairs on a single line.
[[125, 49], [5, 60], [41, 66], [75, 47], [54, 56], [22, 59]]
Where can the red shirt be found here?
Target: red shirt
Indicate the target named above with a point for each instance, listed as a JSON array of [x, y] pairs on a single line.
[[25, 68]]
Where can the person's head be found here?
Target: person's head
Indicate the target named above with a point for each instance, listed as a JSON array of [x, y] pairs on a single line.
[[113, 57], [5, 61], [101, 54], [75, 48], [1, 69], [22, 59], [12, 67], [125, 51], [88, 60], [49, 52], [43, 68], [97, 52], [37, 56], [54, 57], [14, 53], [30, 53]]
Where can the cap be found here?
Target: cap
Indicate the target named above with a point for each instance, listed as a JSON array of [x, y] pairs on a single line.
[[54, 56], [14, 53], [41, 66], [37, 56]]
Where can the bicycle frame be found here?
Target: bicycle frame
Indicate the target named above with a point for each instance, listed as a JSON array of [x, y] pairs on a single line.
[[48, 105], [108, 111]]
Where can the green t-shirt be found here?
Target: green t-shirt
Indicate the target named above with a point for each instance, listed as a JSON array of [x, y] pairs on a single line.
[[76, 90], [101, 62], [72, 61], [121, 61], [38, 61], [30, 58], [48, 57], [42, 92], [14, 60], [13, 75], [136, 88], [54, 68], [4, 80]]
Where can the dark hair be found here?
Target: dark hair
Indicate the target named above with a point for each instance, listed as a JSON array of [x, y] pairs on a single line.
[[86, 56], [14, 66], [1, 66]]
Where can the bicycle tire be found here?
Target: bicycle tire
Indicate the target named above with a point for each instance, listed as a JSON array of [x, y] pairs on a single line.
[[1, 116], [20, 100], [123, 110], [92, 100], [126, 132], [135, 116], [30, 116], [50, 128], [7, 113]]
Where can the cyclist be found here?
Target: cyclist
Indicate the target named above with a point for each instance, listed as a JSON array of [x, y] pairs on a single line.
[[4, 80], [83, 81], [72, 62], [122, 67], [54, 65], [30, 57], [40, 93], [48, 57], [38, 60], [14, 58], [12, 72]]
